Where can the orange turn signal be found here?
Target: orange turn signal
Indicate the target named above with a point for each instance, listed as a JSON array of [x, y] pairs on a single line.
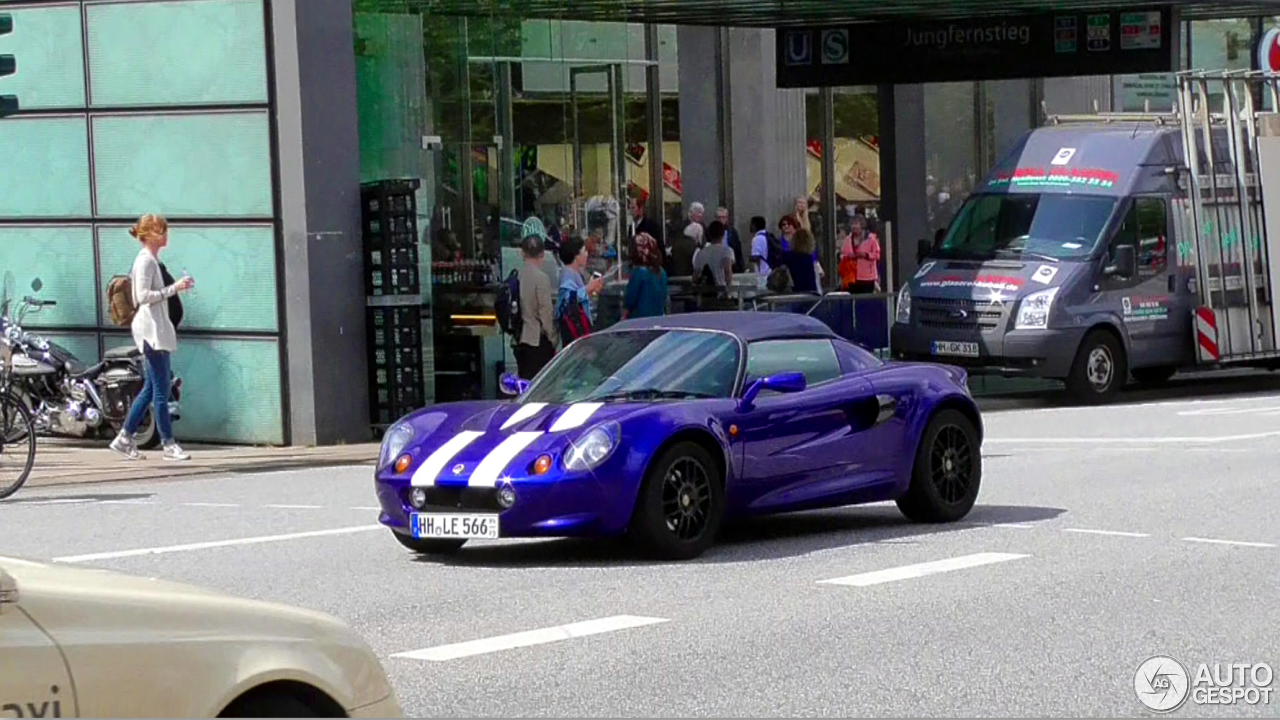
[[402, 463], [542, 465], [733, 430]]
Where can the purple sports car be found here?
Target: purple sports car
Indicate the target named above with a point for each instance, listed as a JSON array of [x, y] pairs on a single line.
[[662, 428]]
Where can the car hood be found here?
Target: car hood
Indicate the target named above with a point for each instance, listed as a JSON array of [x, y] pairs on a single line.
[[475, 443], [985, 280]]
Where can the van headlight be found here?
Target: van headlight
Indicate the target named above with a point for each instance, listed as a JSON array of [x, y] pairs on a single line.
[[903, 314], [591, 449], [394, 442], [1033, 311]]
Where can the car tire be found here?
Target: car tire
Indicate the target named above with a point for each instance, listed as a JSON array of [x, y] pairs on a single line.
[[1099, 370], [429, 546], [1154, 376], [947, 473], [276, 705], [680, 505]]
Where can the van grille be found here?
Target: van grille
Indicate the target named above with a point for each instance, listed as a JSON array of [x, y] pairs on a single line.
[[957, 314]]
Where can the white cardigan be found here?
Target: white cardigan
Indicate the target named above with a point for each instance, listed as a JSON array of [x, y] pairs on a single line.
[[151, 323]]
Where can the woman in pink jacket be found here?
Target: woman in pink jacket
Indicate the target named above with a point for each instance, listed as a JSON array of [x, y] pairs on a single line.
[[864, 250]]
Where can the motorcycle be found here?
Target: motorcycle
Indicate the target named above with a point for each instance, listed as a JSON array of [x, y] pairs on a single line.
[[68, 398]]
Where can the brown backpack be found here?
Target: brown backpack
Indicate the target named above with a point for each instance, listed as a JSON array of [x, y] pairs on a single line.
[[120, 305]]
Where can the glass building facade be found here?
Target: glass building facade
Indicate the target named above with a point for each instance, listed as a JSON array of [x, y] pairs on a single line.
[[251, 123]]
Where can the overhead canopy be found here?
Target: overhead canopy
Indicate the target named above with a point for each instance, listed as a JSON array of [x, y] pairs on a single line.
[[776, 13]]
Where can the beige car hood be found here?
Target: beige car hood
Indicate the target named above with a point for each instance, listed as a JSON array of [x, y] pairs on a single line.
[[105, 620]]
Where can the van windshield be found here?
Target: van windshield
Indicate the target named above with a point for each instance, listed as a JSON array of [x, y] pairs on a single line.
[[1033, 225]]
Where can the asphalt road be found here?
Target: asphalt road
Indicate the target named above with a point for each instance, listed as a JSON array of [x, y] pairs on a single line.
[[1103, 536]]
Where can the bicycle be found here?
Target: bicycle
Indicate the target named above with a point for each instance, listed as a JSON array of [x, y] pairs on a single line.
[[16, 423]]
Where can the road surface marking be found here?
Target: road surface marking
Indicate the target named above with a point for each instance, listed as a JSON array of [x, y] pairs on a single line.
[[1015, 526], [1133, 440], [1116, 533], [1240, 543], [367, 509], [920, 570], [444, 653], [1268, 409], [210, 504], [61, 501], [128, 502], [295, 507], [213, 544]]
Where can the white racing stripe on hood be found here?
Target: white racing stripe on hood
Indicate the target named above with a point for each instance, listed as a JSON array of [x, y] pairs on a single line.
[[490, 469], [576, 416], [525, 412], [425, 475]]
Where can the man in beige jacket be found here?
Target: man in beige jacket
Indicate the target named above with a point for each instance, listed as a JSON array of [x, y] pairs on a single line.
[[536, 344]]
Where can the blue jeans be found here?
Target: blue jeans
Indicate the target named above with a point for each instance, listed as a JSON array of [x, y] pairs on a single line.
[[155, 392]]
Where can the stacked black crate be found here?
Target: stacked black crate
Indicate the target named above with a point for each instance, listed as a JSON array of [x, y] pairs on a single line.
[[394, 300]]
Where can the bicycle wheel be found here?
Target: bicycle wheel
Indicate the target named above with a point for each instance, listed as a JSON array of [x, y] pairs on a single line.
[[18, 449]]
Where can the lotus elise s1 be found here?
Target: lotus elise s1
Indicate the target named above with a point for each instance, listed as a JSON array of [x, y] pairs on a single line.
[[663, 428]]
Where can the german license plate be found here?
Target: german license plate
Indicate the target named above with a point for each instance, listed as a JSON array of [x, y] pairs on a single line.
[[453, 525], [951, 347]]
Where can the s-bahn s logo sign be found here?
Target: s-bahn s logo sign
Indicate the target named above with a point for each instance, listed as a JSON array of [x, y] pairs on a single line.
[[1269, 51], [835, 47], [799, 47]]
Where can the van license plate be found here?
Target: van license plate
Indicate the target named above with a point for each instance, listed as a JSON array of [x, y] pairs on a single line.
[[950, 347]]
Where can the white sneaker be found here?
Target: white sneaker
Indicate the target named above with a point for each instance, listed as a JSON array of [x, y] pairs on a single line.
[[124, 445], [174, 451]]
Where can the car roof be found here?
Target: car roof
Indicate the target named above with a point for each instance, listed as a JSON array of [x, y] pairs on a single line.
[[747, 325]]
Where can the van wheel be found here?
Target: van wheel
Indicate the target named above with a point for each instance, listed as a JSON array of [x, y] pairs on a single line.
[[1154, 375], [1099, 370]]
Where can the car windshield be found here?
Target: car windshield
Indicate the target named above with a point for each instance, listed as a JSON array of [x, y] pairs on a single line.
[[1034, 226], [640, 365]]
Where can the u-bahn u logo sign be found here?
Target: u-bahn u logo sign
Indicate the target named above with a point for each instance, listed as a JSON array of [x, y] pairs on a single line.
[[799, 47]]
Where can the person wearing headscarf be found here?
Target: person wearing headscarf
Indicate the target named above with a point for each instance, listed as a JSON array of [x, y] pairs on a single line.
[[646, 294]]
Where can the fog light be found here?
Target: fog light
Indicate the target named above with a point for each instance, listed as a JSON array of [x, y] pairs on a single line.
[[402, 463], [418, 497], [506, 496]]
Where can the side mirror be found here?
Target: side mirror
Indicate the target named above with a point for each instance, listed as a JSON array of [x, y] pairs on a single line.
[[923, 248], [37, 284], [513, 385], [792, 382], [1126, 262]]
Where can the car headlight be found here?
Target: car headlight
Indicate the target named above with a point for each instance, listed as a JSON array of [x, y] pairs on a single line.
[[1033, 311], [592, 448], [394, 442], [903, 314]]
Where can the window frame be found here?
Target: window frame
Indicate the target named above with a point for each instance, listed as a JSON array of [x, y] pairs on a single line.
[[835, 356]]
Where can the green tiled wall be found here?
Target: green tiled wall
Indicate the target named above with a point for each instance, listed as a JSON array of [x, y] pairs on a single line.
[[46, 41], [62, 257], [138, 78], [44, 168], [213, 51], [195, 165], [234, 269], [230, 389]]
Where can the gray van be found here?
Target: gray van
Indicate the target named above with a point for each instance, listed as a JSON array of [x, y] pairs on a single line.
[[1078, 258]]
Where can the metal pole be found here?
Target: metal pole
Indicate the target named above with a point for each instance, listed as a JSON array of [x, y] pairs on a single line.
[[656, 209], [508, 177], [466, 166], [827, 247], [578, 215], [618, 106]]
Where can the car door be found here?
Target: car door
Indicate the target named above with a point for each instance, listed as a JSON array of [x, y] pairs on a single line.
[[802, 449], [35, 681], [1145, 301]]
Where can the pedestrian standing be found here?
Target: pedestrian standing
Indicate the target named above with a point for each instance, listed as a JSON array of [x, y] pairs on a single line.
[[536, 345], [864, 249], [155, 337], [646, 294]]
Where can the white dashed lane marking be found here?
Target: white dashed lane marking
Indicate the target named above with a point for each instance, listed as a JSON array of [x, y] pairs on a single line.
[[1114, 533], [907, 572], [529, 638], [1238, 543]]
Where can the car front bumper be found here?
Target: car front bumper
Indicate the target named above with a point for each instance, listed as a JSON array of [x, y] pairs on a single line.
[[1016, 353], [579, 504]]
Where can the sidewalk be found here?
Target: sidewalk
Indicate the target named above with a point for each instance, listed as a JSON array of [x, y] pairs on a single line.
[[71, 463]]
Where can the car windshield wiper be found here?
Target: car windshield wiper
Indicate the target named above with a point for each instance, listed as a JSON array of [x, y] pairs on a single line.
[[649, 394], [1026, 253]]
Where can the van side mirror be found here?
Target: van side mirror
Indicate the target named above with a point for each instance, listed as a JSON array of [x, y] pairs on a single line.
[[511, 384], [1125, 262], [923, 248]]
